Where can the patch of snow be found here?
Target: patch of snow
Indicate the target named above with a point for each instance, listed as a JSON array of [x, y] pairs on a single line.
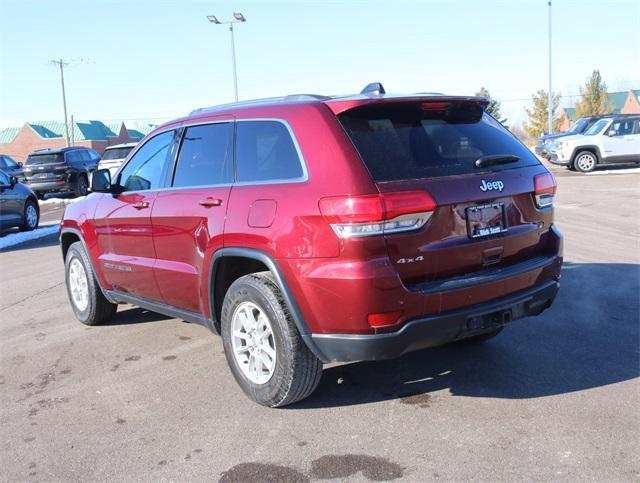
[[59, 201], [615, 171], [24, 236]]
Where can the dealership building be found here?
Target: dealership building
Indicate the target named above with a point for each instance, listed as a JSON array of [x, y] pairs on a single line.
[[19, 141]]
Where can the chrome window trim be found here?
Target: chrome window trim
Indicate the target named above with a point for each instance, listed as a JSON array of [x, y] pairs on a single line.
[[301, 179]]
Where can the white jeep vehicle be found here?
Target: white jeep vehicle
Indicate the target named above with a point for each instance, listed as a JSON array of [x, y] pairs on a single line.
[[114, 156], [611, 140]]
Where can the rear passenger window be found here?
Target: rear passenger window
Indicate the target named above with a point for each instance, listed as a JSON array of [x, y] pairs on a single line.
[[205, 156], [266, 152]]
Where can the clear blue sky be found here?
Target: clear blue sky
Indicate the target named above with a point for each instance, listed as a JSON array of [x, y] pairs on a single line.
[[159, 59]]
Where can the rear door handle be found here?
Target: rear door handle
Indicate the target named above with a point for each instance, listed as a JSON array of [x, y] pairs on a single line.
[[208, 202], [141, 205]]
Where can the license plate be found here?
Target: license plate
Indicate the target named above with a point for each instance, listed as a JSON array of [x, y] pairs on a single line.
[[43, 175], [486, 220]]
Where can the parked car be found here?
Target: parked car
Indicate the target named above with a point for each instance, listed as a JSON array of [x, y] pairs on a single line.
[[113, 157], [610, 141], [60, 170], [310, 229], [18, 204], [579, 127], [11, 167]]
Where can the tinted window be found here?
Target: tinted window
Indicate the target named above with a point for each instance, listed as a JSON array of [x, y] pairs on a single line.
[[145, 169], [205, 156], [45, 159], [7, 162], [92, 155], [597, 127], [4, 179], [116, 153], [621, 127], [405, 141], [74, 156], [265, 152]]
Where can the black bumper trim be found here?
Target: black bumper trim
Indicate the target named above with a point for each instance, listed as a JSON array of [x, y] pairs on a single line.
[[487, 275], [438, 329]]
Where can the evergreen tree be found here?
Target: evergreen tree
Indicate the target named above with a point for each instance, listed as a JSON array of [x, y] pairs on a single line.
[[593, 97], [494, 106], [537, 124]]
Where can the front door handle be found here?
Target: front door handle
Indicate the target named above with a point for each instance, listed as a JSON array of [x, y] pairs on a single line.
[[208, 202], [141, 205]]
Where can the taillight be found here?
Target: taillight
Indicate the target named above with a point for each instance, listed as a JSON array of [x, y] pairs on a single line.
[[369, 215], [544, 189]]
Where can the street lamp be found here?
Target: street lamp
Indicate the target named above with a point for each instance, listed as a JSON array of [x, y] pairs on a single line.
[[238, 18], [550, 95]]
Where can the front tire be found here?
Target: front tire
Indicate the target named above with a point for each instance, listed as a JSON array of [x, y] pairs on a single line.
[[89, 304], [31, 216], [585, 161], [264, 350]]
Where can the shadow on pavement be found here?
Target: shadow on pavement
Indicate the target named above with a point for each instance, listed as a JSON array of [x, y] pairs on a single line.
[[589, 338], [135, 315]]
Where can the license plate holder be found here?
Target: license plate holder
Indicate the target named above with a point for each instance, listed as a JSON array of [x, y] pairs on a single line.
[[486, 220]]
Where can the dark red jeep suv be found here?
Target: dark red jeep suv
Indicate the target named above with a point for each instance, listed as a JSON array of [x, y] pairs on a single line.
[[309, 229]]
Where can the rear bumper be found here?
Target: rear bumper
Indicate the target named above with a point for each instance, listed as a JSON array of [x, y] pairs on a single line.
[[436, 330], [51, 186]]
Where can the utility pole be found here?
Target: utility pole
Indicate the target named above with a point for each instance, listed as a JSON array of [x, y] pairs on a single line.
[[61, 64], [550, 98]]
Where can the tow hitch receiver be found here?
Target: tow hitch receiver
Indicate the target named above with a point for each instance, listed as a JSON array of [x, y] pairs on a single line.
[[482, 323]]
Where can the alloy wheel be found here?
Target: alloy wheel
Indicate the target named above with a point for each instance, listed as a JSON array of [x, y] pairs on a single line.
[[253, 343]]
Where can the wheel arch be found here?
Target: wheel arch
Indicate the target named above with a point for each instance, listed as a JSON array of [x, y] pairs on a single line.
[[241, 259], [592, 148], [69, 236]]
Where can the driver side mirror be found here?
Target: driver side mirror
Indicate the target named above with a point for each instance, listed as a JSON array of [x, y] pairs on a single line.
[[101, 181], [612, 133], [20, 164], [13, 181]]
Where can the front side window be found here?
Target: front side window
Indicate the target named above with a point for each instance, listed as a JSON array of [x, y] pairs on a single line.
[[4, 179], [205, 156], [145, 170], [265, 152], [597, 127]]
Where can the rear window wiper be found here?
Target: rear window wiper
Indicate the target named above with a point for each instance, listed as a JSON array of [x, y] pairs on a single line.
[[495, 159]]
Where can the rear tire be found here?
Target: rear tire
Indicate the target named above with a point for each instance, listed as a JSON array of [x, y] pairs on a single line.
[[585, 161], [89, 304], [82, 187], [254, 308], [31, 216], [479, 339]]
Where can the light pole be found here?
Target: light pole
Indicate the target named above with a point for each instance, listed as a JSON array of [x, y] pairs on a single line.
[[550, 98], [238, 18], [61, 64]]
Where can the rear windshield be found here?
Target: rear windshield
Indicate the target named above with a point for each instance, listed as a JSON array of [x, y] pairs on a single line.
[[404, 141], [45, 159], [116, 153]]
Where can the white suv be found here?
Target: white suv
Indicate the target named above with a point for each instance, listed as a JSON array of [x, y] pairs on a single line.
[[611, 140], [114, 156]]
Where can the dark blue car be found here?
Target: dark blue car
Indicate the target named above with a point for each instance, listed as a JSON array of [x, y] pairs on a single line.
[[18, 204]]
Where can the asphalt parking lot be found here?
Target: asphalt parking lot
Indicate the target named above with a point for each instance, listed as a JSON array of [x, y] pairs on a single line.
[[151, 398]]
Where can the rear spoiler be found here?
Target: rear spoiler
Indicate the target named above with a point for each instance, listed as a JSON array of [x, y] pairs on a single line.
[[338, 106]]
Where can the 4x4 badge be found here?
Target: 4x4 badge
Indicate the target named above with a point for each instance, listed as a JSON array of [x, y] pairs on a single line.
[[492, 186]]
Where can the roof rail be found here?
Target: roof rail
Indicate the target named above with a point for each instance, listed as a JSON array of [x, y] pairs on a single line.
[[265, 100]]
